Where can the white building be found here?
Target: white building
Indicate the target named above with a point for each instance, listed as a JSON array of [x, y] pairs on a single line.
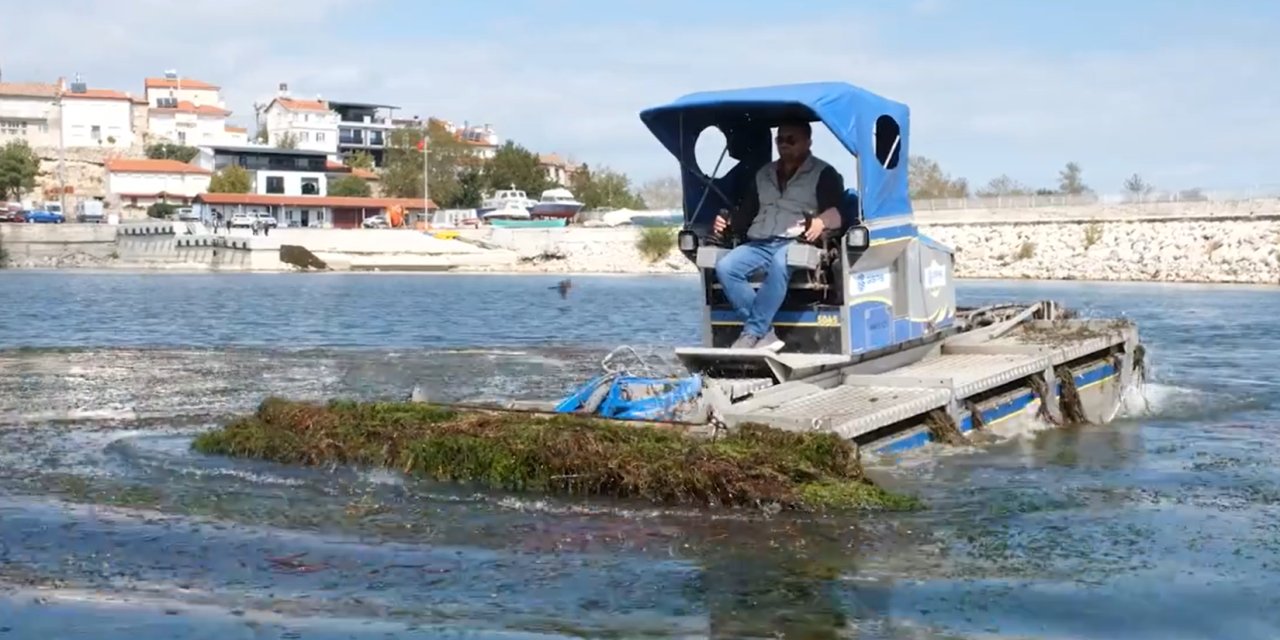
[[311, 123], [139, 183], [96, 117], [178, 89], [363, 128], [29, 111], [187, 111], [276, 172], [189, 124], [236, 135]]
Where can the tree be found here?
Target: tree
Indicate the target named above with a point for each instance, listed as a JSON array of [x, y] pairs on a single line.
[[662, 193], [359, 160], [171, 151], [19, 166], [471, 188], [1069, 181], [231, 179], [350, 186], [1003, 186], [1137, 187], [604, 189], [926, 180], [287, 141], [514, 166], [449, 159], [161, 210]]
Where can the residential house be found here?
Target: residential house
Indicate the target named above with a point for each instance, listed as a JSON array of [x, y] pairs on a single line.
[[312, 124], [29, 111], [300, 174], [186, 111], [559, 170], [96, 117], [363, 127], [484, 141], [139, 183], [236, 135], [337, 170]]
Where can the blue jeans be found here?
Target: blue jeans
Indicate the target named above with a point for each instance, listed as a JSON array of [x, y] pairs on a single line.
[[757, 308]]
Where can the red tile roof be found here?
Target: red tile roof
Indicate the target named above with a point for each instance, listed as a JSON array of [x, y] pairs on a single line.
[[148, 165], [186, 83], [338, 167], [186, 106], [98, 94], [28, 89], [235, 129], [303, 105], [342, 202]]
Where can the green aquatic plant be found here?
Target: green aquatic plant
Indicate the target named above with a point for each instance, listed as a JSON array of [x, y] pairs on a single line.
[[752, 466]]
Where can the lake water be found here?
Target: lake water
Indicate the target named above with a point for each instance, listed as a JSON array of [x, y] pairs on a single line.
[[1163, 525]]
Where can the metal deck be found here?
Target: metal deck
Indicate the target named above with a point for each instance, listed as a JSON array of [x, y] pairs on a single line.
[[853, 404]]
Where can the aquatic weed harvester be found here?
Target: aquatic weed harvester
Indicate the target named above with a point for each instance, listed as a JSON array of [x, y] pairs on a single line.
[[877, 350]]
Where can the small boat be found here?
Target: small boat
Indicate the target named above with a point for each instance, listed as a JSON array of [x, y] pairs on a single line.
[[534, 223], [502, 198], [658, 219], [556, 203]]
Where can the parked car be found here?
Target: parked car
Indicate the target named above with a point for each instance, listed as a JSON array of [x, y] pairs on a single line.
[[267, 220], [242, 220], [44, 217]]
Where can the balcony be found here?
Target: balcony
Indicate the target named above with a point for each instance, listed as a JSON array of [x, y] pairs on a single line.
[[358, 138]]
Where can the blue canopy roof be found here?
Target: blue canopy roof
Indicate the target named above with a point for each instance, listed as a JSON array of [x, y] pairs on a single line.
[[873, 128]]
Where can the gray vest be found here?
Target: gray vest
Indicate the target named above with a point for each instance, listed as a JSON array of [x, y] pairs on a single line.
[[782, 212]]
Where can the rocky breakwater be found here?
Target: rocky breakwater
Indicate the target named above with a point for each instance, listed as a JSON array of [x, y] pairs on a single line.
[[574, 250], [1170, 250]]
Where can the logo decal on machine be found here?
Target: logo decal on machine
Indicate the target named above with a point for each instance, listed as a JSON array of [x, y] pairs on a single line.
[[871, 281], [935, 277]]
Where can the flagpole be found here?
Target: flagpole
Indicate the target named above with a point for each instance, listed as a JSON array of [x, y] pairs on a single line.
[[426, 177]]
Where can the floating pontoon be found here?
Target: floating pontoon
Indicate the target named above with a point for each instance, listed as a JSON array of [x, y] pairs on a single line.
[[877, 350]]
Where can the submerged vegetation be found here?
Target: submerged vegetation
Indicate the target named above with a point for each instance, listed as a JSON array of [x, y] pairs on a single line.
[[753, 466]]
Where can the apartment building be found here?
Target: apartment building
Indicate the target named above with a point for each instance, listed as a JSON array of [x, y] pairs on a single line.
[[29, 111], [187, 111], [100, 118], [297, 173], [139, 183], [363, 127], [311, 123]]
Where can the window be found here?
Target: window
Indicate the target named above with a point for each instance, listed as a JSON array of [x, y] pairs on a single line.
[[304, 136], [275, 184], [13, 128], [310, 186], [182, 137], [319, 136], [887, 135], [95, 132]]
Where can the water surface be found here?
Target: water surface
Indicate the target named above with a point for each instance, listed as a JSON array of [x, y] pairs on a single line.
[[1162, 525]]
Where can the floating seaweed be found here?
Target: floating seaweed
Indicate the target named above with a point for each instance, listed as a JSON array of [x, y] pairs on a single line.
[[752, 466]]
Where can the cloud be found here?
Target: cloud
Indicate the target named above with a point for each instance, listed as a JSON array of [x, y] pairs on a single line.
[[981, 109]]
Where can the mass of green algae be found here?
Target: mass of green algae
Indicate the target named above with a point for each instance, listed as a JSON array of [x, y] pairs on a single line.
[[752, 466]]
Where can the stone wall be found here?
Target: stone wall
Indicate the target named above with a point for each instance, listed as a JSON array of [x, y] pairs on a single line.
[[1110, 245], [1236, 250], [57, 245]]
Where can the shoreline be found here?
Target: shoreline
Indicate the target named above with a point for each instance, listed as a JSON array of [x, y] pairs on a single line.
[[161, 271]]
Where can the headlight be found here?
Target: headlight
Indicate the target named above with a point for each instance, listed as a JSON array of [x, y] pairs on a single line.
[[687, 240], [857, 238]]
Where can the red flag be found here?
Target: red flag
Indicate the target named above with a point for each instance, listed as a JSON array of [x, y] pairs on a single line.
[[421, 143]]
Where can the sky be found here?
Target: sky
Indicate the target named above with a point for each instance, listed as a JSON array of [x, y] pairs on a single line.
[[1184, 92]]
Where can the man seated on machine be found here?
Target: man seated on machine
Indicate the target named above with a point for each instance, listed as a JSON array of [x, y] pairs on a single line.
[[773, 211]]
